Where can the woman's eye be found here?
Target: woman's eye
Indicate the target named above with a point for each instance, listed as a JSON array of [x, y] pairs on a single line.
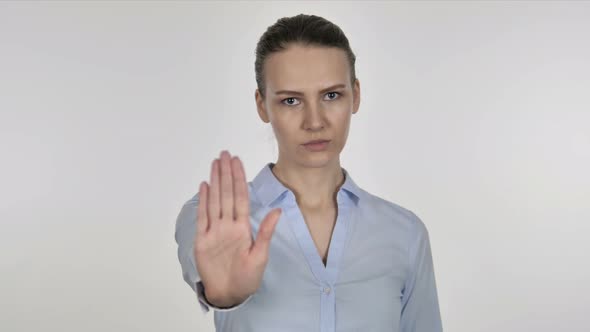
[[332, 94], [289, 101]]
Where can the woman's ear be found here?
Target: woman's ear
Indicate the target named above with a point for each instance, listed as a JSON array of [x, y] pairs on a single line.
[[356, 93], [260, 100]]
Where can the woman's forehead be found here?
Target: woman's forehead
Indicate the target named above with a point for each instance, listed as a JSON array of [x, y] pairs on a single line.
[[301, 68]]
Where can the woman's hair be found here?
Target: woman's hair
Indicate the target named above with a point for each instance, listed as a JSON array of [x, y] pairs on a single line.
[[307, 30]]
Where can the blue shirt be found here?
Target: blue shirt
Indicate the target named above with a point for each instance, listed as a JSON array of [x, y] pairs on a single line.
[[379, 274]]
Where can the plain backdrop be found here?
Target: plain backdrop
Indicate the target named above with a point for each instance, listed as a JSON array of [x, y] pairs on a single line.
[[474, 115]]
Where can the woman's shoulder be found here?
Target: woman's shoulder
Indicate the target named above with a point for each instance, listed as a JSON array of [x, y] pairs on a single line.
[[391, 209]]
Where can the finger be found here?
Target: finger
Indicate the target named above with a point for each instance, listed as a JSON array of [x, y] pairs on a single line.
[[213, 206], [227, 190], [265, 232], [202, 222], [241, 201]]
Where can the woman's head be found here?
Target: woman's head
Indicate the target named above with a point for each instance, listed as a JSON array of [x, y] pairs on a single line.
[[307, 87]]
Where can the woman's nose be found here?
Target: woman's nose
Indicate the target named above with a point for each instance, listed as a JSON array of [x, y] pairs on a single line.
[[314, 117]]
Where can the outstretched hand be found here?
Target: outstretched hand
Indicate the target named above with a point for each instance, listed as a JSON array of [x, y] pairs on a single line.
[[231, 264]]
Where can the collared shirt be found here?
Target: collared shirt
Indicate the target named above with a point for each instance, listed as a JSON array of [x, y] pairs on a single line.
[[379, 274]]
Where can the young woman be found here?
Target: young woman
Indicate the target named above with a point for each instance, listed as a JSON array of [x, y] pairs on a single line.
[[302, 247]]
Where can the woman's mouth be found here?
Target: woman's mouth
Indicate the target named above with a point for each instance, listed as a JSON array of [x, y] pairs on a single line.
[[316, 145]]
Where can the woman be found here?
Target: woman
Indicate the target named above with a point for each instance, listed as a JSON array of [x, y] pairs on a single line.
[[302, 247]]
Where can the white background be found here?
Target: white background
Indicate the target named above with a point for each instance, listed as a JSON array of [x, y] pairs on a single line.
[[474, 115]]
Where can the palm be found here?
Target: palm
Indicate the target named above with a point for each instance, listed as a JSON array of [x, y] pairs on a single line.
[[229, 262]]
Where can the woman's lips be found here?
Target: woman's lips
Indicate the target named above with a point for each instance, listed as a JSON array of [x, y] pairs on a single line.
[[318, 146], [317, 141]]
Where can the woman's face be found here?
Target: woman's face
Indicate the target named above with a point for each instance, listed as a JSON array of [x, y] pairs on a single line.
[[308, 97]]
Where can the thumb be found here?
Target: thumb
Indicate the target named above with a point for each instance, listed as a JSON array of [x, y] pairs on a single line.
[[265, 232]]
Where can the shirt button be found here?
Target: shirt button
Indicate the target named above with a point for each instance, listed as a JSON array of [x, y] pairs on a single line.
[[327, 290]]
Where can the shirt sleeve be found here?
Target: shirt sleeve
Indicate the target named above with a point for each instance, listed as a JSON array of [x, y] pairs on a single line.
[[185, 231], [420, 308]]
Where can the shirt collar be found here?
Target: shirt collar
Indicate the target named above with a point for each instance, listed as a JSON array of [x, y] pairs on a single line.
[[268, 188]]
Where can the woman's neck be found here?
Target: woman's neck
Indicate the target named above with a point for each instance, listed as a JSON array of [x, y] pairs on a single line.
[[315, 188]]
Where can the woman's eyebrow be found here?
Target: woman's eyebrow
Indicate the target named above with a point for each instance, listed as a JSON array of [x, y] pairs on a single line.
[[289, 92]]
